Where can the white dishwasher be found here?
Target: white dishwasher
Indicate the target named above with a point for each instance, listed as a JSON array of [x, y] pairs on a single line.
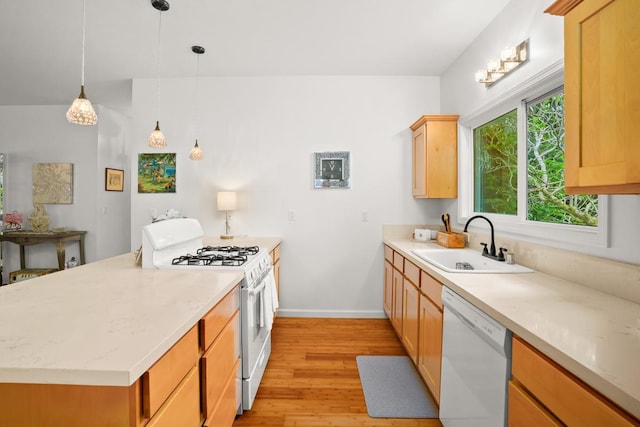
[[476, 366]]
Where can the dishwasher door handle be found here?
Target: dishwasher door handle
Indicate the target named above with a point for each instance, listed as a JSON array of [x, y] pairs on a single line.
[[465, 321]]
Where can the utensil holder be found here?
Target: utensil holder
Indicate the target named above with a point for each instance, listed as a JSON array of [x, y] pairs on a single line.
[[450, 240]]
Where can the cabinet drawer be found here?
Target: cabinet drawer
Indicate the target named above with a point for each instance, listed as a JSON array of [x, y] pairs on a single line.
[[224, 412], [218, 363], [525, 412], [431, 288], [164, 376], [569, 399], [388, 254], [182, 409], [213, 322], [412, 272], [398, 261]]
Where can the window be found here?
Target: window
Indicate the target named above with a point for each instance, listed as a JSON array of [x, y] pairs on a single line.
[[546, 198], [495, 153], [512, 168]]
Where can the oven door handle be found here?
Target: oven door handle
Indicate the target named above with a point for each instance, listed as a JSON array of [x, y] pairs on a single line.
[[257, 289]]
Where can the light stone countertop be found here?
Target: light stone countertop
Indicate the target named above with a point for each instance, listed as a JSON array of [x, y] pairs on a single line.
[[103, 323], [594, 335], [106, 322]]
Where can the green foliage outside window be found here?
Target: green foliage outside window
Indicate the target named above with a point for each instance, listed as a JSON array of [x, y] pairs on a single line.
[[495, 146], [546, 197]]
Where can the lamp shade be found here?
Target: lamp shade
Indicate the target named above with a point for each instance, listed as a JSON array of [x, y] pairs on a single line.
[[227, 200]]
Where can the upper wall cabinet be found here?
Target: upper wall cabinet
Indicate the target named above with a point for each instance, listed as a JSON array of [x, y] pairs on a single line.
[[435, 157], [602, 95]]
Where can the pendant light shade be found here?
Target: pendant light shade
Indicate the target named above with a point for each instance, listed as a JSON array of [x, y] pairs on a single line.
[[156, 139], [196, 152], [81, 111]]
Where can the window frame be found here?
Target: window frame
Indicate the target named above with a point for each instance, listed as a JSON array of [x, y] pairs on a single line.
[[567, 235]]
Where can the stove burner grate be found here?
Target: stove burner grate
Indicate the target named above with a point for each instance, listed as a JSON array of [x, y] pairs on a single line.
[[239, 250], [210, 260]]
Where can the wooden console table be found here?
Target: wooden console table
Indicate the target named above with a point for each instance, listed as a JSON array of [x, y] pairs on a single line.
[[58, 238]]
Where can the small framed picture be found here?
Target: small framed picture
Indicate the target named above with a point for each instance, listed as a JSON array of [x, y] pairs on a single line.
[[332, 170], [114, 180]]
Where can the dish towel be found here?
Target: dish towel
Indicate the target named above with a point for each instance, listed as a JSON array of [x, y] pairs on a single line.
[[269, 301]]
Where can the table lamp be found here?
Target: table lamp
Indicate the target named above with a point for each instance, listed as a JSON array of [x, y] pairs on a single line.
[[227, 202]]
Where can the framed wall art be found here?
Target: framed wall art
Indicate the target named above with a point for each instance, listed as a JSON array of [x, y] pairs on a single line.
[[157, 173], [113, 179], [332, 170], [52, 183]]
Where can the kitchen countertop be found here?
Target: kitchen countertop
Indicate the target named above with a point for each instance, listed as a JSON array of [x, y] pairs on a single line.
[[594, 335], [107, 322], [103, 323]]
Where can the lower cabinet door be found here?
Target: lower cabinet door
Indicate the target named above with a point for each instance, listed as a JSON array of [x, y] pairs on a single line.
[[217, 363], [410, 313], [525, 412], [182, 408], [388, 288], [224, 412], [165, 375], [396, 308], [430, 345]]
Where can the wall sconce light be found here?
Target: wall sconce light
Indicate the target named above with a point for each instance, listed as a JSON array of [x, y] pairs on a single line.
[[510, 59], [227, 201]]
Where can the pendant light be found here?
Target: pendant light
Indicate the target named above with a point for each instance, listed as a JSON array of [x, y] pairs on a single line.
[[81, 111], [156, 140], [196, 152]]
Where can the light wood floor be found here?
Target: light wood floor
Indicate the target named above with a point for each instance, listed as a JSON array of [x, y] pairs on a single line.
[[312, 378]]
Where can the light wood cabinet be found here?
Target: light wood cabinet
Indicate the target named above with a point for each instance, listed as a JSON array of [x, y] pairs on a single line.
[[602, 95], [410, 312], [223, 413], [182, 407], [275, 258], [168, 394], [396, 297], [220, 337], [435, 156], [563, 398], [413, 300], [164, 376], [388, 288], [525, 411], [430, 346]]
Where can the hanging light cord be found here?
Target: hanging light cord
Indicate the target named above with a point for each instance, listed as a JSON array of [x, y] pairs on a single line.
[[197, 93], [158, 82], [83, 36]]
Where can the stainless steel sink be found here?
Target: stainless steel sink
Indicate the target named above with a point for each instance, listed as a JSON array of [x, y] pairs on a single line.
[[467, 261]]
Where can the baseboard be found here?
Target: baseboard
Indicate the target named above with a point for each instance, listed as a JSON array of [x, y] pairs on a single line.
[[339, 314]]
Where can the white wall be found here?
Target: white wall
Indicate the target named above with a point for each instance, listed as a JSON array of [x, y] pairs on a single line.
[[258, 136], [113, 209], [524, 19], [41, 134]]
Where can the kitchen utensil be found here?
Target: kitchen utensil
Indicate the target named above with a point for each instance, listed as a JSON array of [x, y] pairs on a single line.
[[447, 223]]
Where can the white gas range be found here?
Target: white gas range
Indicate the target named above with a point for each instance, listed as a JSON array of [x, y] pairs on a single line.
[[178, 244]]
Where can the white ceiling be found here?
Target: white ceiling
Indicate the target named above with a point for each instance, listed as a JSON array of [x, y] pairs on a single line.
[[40, 41]]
